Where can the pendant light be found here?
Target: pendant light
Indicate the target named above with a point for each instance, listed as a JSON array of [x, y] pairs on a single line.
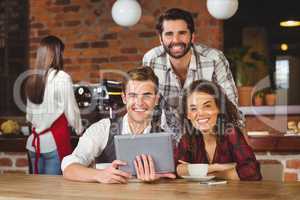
[[126, 12], [222, 9]]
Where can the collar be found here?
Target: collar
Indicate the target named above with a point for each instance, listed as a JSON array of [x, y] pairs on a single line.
[[126, 128]]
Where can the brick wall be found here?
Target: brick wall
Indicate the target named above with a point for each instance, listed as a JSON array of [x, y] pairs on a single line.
[[94, 42], [290, 162], [11, 162]]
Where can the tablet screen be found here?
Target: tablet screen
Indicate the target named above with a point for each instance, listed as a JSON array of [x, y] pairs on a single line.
[[158, 145]]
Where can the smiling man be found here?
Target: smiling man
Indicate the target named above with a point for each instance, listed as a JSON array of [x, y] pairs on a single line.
[[140, 96], [178, 62]]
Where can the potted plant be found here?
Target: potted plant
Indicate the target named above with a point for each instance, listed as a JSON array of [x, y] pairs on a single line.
[[258, 99], [242, 60], [270, 97]]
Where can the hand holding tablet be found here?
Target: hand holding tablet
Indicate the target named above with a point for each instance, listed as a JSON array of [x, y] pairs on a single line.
[[145, 169], [156, 145]]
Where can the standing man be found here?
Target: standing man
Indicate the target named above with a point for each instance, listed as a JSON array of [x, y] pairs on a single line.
[[178, 62], [140, 95]]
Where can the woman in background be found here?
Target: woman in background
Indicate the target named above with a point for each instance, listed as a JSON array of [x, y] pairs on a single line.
[[212, 135], [51, 107]]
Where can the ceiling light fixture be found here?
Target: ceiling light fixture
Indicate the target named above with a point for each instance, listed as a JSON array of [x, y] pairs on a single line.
[[126, 12], [284, 47], [290, 23], [222, 9]]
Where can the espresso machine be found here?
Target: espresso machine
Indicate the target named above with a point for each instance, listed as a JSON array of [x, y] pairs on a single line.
[[100, 100]]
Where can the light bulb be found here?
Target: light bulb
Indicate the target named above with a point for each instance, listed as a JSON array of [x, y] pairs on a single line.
[[284, 47]]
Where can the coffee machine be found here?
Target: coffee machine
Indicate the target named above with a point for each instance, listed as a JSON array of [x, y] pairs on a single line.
[[100, 100]]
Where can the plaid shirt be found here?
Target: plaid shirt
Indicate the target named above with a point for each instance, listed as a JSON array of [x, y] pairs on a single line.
[[206, 63], [233, 148]]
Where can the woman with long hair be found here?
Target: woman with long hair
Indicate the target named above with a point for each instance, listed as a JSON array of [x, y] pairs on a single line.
[[51, 107], [212, 135]]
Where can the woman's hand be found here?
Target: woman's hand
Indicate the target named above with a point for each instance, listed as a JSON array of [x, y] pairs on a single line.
[[145, 169], [182, 168], [112, 174], [220, 167], [183, 162], [225, 171]]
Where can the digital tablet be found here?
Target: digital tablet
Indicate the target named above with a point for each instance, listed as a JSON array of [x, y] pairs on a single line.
[[157, 145]]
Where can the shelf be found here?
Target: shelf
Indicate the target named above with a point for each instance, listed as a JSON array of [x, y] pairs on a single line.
[[270, 143], [12, 143], [270, 110], [274, 143], [17, 143]]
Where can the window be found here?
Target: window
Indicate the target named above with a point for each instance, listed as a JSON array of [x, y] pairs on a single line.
[[13, 50], [282, 74]]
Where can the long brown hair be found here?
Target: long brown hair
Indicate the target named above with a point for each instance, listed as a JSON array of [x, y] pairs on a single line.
[[49, 56]]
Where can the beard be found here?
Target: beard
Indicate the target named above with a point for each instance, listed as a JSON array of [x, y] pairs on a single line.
[[186, 48]]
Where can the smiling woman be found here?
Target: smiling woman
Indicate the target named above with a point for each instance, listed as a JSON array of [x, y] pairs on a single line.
[[202, 111], [212, 135]]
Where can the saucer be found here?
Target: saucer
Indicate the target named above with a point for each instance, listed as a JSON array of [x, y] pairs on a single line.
[[198, 178]]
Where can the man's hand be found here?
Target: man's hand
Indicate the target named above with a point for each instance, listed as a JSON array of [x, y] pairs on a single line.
[[112, 174], [145, 169]]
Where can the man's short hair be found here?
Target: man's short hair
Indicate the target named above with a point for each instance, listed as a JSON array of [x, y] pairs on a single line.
[[176, 14], [144, 73]]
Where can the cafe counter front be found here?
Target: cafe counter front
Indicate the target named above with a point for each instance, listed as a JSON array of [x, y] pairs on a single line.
[[268, 149]]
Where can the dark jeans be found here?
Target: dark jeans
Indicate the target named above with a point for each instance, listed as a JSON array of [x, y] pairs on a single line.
[[49, 163]]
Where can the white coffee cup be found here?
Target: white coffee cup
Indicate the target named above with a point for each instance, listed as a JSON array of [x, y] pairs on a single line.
[[102, 165], [25, 130], [199, 170]]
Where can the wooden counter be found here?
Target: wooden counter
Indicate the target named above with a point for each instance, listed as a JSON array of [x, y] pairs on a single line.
[[25, 187], [17, 143], [12, 143], [275, 143]]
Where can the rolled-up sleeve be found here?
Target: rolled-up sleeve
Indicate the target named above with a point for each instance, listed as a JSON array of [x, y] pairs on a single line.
[[90, 145]]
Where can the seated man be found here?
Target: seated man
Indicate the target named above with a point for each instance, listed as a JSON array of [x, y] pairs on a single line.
[[140, 95]]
